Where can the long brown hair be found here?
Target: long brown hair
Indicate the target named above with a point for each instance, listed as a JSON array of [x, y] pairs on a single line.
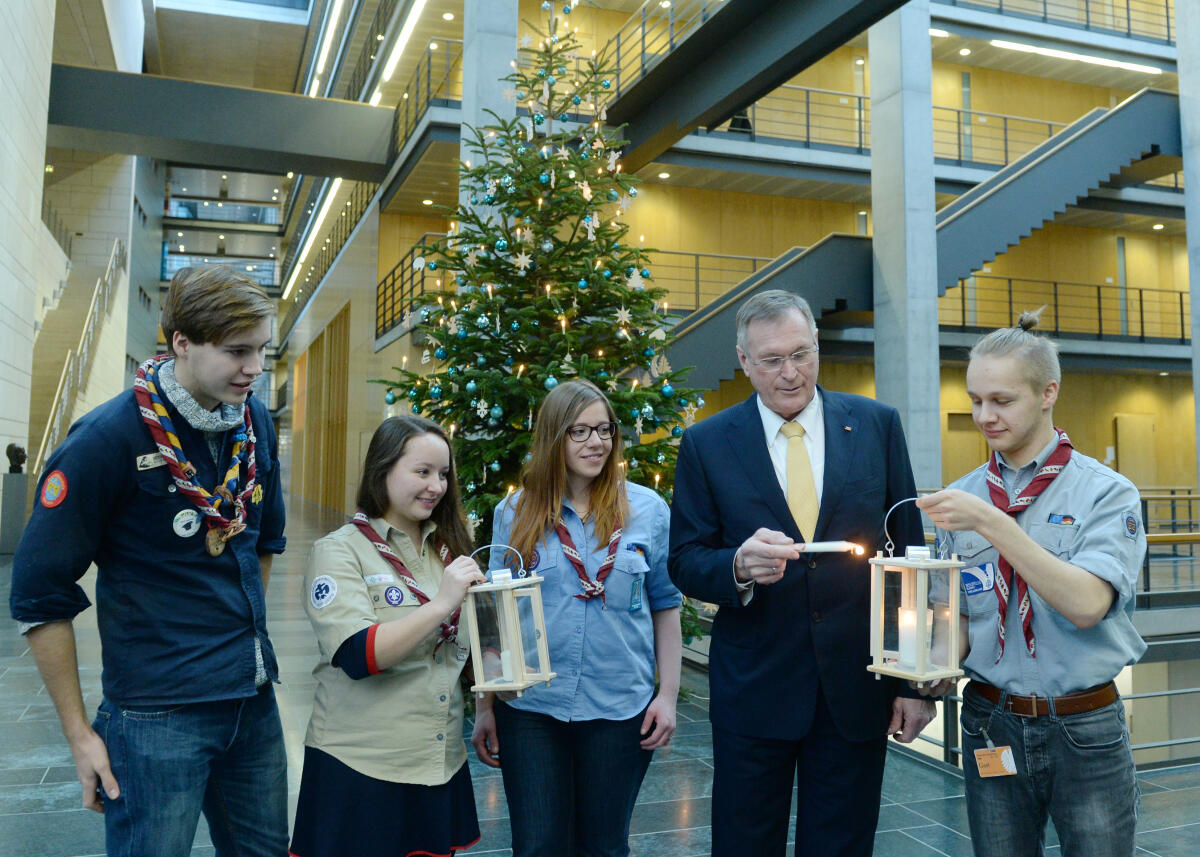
[[386, 448], [544, 477]]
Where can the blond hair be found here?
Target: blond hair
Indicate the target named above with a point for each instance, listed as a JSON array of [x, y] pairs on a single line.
[[211, 303], [1037, 355]]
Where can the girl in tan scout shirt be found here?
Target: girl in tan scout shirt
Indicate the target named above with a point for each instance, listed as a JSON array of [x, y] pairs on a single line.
[[385, 767]]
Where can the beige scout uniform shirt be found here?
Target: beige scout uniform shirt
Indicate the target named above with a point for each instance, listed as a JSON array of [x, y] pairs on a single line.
[[405, 723]]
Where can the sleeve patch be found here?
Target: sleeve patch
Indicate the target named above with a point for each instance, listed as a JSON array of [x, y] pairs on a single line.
[[324, 590], [54, 489], [1131, 525]]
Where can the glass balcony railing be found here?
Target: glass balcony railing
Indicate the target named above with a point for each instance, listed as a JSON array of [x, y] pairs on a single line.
[[224, 210], [262, 271]]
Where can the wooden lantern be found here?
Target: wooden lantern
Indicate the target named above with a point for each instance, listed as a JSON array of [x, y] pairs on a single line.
[[507, 627], [915, 603]]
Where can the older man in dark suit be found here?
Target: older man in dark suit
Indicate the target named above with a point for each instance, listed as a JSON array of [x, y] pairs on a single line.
[[791, 695]]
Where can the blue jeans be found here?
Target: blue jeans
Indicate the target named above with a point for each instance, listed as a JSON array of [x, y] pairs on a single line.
[[570, 786], [225, 758], [1078, 770]]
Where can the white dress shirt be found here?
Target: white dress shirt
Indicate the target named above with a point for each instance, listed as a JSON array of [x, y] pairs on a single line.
[[812, 419]]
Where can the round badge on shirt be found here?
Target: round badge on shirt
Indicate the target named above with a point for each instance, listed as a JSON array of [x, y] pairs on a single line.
[[324, 590], [187, 523], [394, 596]]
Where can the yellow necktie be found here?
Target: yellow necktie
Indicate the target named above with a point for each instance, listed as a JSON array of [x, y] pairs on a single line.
[[801, 488]]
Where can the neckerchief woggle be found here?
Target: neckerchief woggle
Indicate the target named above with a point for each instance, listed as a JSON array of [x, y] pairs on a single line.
[[450, 625], [998, 494], [591, 588], [222, 526]]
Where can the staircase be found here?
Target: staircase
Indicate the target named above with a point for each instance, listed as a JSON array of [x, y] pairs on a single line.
[[1134, 142]]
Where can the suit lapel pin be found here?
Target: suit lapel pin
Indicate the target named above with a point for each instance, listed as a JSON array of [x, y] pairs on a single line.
[[847, 428]]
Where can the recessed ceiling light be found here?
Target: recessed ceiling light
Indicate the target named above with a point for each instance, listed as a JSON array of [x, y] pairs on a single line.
[[180, 248], [938, 34], [859, 61], [274, 190], [178, 234], [49, 168], [964, 52], [433, 46], [289, 174], [664, 175], [427, 202], [224, 177], [447, 16], [862, 212], [184, 190], [1069, 55], [1158, 226], [1163, 374], [206, 203], [220, 237]]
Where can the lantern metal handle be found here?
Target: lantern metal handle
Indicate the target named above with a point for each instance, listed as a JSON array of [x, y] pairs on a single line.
[[889, 545], [521, 572]]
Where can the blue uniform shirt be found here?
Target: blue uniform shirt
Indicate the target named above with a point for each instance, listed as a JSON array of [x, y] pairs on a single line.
[[1089, 516], [603, 652], [176, 625]]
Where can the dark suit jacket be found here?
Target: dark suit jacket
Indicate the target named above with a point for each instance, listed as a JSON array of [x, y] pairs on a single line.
[[812, 628]]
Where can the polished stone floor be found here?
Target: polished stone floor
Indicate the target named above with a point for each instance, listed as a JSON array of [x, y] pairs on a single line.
[[922, 812]]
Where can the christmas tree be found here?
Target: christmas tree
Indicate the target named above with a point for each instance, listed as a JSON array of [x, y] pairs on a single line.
[[542, 286]]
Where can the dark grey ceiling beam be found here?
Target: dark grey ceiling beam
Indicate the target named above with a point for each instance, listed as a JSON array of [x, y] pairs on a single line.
[[745, 50], [208, 125]]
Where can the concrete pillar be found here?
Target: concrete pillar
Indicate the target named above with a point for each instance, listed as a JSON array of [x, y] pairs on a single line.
[[489, 45], [1187, 39], [905, 239], [26, 48]]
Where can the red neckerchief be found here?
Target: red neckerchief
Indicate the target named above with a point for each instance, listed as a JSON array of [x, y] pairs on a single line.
[[450, 626], [591, 588], [999, 497]]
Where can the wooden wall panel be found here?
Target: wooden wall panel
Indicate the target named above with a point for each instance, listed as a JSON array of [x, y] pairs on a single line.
[[321, 416]]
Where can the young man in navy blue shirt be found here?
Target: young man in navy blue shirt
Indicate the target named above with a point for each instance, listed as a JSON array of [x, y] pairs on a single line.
[[172, 490]]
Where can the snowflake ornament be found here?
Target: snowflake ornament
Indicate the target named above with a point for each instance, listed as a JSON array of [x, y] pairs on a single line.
[[522, 261], [624, 204], [481, 410]]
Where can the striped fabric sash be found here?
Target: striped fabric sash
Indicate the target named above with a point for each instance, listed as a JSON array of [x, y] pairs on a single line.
[[591, 588], [450, 625], [999, 497], [225, 511]]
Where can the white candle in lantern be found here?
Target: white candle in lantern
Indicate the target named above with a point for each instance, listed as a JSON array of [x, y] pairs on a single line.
[[506, 666], [907, 619]]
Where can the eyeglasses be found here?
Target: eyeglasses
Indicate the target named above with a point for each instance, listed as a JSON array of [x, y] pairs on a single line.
[[580, 433], [800, 359]]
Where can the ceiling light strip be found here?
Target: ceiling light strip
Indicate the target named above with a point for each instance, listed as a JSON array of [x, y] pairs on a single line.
[[1070, 55], [327, 37], [406, 31], [313, 232]]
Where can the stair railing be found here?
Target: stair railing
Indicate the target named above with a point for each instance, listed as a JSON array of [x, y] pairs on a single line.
[[78, 363]]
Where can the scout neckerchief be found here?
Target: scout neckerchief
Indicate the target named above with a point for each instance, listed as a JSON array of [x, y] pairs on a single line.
[[591, 588], [450, 625], [222, 524], [998, 494]]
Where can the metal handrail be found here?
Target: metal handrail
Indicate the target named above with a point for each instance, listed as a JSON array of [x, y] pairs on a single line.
[[1095, 310], [652, 32], [432, 81], [376, 34], [1152, 20], [78, 363], [58, 229], [400, 289]]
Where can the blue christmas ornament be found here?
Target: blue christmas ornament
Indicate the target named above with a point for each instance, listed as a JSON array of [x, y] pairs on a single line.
[[508, 361], [412, 394], [646, 272], [452, 371], [416, 409], [562, 69], [667, 391], [566, 10], [480, 360], [489, 199], [649, 352], [550, 383], [602, 374], [700, 402], [538, 118], [544, 178], [575, 99], [607, 274], [546, 5], [606, 83], [677, 431], [494, 466], [462, 333], [471, 386], [683, 403], [633, 191], [562, 117], [516, 325], [534, 322], [461, 280], [471, 487], [547, 246], [493, 423], [424, 315], [482, 321], [647, 411], [435, 392], [496, 412], [583, 284], [390, 398], [541, 72], [506, 180], [660, 458], [584, 153], [440, 352], [474, 199], [432, 266], [552, 80], [501, 245], [612, 194]]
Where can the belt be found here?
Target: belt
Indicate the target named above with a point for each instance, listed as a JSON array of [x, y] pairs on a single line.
[[1039, 706]]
